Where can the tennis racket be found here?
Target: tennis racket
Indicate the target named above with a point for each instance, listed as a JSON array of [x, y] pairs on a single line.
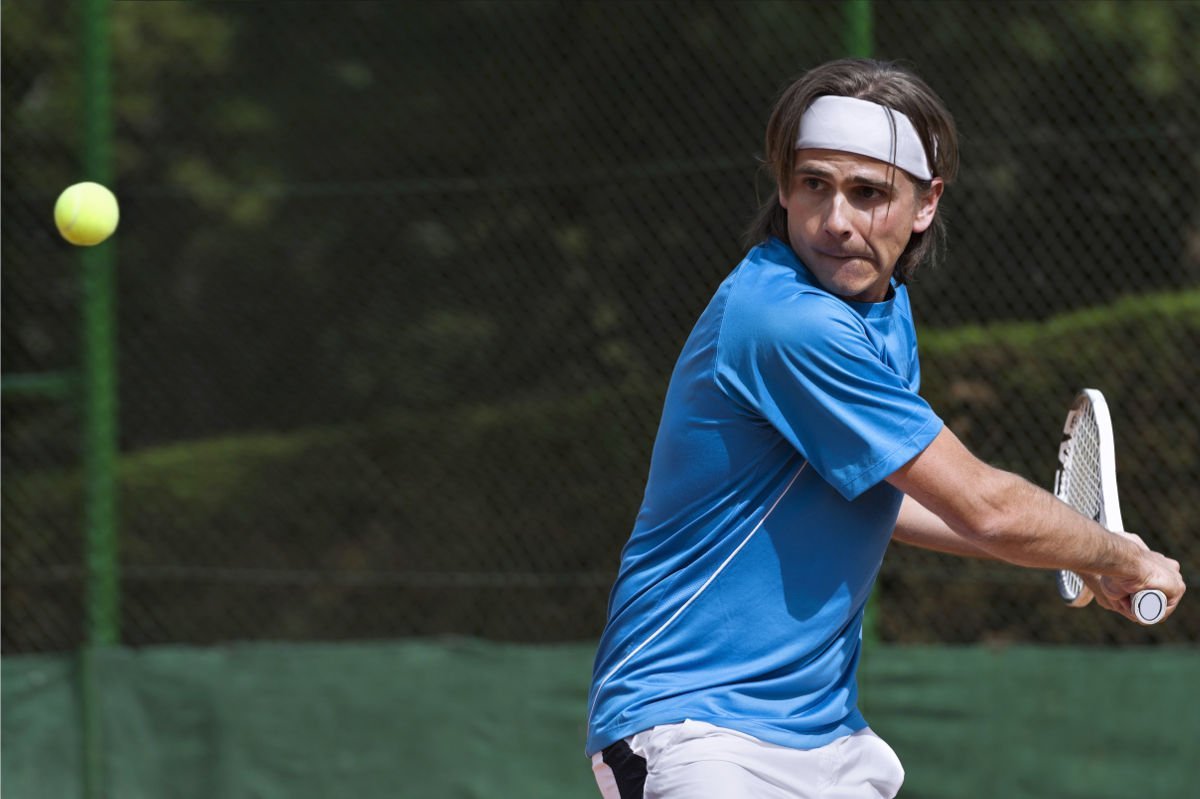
[[1087, 481]]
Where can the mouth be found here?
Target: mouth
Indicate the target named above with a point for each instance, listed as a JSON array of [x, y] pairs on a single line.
[[845, 256]]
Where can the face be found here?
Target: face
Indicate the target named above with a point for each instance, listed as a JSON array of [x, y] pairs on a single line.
[[850, 217]]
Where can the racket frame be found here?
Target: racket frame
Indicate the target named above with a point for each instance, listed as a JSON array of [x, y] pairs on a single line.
[[1148, 605]]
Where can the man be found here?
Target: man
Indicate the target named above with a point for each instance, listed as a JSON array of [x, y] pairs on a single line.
[[793, 447]]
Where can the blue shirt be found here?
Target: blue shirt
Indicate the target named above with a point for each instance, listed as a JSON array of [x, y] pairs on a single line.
[[741, 590]]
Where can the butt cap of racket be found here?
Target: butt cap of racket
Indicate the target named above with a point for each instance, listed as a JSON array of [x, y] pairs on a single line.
[[1149, 606]]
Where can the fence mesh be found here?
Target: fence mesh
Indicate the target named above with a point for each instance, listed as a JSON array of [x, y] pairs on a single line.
[[400, 287]]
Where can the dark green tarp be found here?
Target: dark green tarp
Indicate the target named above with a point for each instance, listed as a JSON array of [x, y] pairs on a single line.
[[464, 718]]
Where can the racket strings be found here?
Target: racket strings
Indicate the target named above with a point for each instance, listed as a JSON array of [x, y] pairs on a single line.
[[1072, 585], [1079, 483]]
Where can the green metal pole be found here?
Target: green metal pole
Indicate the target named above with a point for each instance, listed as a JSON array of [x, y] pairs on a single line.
[[99, 397], [99, 345], [860, 34]]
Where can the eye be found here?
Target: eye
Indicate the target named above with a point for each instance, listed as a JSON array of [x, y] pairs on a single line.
[[810, 183], [869, 193]]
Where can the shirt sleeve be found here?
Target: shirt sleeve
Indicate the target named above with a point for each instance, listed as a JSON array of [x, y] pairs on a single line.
[[812, 372]]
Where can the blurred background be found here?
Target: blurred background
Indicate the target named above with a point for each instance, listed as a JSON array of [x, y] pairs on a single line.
[[316, 475]]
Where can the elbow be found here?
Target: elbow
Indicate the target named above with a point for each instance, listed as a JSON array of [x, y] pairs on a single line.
[[985, 531], [989, 534], [990, 520]]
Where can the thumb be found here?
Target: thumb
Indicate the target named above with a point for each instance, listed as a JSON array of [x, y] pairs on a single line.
[[1117, 589]]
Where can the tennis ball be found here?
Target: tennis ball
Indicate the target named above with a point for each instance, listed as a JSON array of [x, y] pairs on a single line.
[[86, 214]]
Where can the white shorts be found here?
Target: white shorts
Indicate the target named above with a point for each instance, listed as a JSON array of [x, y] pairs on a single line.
[[696, 759]]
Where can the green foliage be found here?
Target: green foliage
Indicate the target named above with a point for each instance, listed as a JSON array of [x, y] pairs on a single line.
[[362, 244], [487, 518], [447, 515]]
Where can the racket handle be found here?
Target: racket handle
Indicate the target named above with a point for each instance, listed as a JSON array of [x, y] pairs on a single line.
[[1149, 606]]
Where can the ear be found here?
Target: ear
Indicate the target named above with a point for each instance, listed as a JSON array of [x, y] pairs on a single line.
[[927, 206], [783, 195]]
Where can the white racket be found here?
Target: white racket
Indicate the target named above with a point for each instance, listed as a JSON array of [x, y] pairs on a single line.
[[1087, 481]]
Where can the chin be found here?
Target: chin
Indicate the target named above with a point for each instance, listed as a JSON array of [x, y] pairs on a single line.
[[860, 291], [848, 287], [847, 278]]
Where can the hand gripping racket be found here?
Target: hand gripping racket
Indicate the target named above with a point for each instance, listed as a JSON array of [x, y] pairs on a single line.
[[1087, 481]]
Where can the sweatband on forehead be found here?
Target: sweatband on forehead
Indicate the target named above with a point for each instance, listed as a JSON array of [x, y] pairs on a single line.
[[864, 128]]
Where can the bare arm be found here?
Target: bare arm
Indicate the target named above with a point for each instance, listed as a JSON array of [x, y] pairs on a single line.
[[1011, 519], [920, 527]]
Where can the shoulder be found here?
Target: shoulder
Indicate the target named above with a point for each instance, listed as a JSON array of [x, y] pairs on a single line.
[[772, 290], [778, 309]]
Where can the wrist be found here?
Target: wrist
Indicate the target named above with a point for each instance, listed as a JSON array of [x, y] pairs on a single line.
[[1122, 559]]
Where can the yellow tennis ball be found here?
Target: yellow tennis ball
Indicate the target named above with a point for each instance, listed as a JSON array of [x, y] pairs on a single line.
[[86, 214]]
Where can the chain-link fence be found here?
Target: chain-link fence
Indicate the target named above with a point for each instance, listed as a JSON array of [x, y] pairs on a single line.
[[400, 287]]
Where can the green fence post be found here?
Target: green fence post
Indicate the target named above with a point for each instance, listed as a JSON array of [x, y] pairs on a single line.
[[99, 399], [859, 28], [99, 346]]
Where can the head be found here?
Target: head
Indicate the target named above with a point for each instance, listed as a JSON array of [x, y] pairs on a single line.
[[857, 220]]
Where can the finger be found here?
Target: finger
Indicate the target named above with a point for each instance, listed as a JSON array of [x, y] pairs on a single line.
[[1116, 590], [1083, 599], [1120, 605], [1107, 603], [1090, 589], [1105, 595]]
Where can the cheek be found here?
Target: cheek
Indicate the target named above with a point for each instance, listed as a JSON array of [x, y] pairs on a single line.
[[803, 230], [898, 239], [801, 217]]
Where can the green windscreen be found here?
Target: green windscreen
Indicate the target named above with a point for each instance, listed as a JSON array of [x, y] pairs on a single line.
[[467, 718]]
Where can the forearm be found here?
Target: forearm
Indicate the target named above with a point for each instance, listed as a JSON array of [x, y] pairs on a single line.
[[920, 527], [1010, 518], [1020, 523]]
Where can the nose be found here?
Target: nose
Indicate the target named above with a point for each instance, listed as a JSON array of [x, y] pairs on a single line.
[[837, 218]]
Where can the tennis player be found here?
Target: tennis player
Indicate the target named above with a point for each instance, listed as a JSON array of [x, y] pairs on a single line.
[[792, 448]]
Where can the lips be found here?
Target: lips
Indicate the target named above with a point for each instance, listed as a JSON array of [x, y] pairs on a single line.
[[845, 256]]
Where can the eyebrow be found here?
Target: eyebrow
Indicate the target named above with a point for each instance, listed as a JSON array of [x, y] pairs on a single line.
[[861, 179]]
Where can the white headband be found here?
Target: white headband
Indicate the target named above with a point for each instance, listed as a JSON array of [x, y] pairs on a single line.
[[860, 126]]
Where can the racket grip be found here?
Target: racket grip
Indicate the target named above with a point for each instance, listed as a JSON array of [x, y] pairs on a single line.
[[1149, 606]]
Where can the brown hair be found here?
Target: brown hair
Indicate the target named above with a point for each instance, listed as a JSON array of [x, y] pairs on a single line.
[[881, 82]]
